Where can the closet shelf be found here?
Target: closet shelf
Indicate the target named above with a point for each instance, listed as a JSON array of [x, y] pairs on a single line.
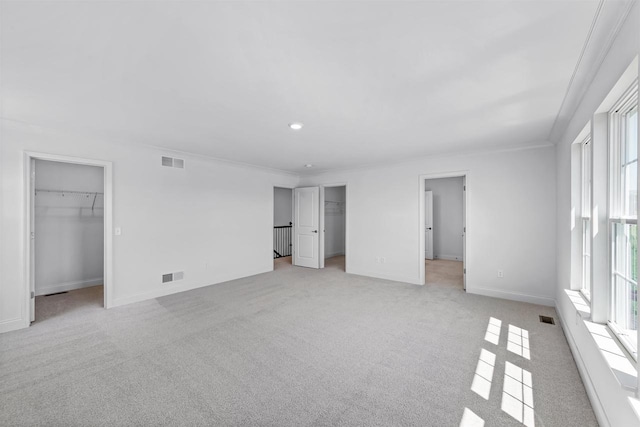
[[63, 193], [74, 196]]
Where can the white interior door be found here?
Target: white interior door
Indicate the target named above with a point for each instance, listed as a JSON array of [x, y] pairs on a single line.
[[428, 224], [32, 245], [306, 223]]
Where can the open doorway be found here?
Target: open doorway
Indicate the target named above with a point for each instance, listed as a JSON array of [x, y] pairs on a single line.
[[335, 199], [282, 226], [444, 231], [67, 238]]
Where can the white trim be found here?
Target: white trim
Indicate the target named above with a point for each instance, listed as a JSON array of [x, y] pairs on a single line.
[[626, 80], [9, 325], [332, 254], [626, 344], [609, 23], [586, 185], [534, 145], [108, 223], [392, 278], [321, 227], [69, 286], [347, 268], [617, 142], [635, 405], [421, 217], [596, 405], [513, 296], [577, 67], [448, 257], [181, 287]]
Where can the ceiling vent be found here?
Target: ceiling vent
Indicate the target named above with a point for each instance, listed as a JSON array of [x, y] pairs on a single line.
[[172, 163]]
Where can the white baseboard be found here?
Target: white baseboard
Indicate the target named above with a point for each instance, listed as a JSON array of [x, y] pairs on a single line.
[[178, 287], [405, 279], [448, 257], [533, 299], [68, 286], [332, 254], [601, 416], [12, 325]]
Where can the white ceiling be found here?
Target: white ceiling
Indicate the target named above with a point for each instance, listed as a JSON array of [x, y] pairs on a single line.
[[372, 81]]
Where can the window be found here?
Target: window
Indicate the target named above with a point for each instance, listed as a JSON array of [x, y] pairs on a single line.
[[623, 219], [585, 149]]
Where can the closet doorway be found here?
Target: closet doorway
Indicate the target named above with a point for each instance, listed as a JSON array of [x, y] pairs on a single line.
[[69, 209], [335, 227]]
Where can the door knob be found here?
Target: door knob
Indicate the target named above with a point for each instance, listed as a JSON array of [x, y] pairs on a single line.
[[314, 231], [428, 228]]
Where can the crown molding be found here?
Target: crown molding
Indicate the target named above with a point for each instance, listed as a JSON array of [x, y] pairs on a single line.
[[534, 145], [64, 132], [608, 20]]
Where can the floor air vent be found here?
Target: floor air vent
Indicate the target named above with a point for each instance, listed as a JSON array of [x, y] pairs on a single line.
[[547, 319]]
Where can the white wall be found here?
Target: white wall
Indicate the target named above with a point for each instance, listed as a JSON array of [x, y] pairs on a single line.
[[213, 220], [69, 229], [282, 206], [334, 221], [510, 221], [610, 401], [447, 217]]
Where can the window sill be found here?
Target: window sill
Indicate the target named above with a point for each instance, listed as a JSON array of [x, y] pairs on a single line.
[[580, 303], [635, 404], [586, 296], [620, 363]]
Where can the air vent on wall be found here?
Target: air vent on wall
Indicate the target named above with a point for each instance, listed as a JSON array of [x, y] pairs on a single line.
[[172, 163], [170, 277]]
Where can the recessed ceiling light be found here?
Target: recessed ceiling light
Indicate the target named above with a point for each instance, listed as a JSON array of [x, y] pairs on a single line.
[[296, 125], [308, 165]]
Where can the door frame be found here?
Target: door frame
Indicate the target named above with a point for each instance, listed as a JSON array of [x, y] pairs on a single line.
[[424, 227], [464, 174], [29, 212], [346, 223]]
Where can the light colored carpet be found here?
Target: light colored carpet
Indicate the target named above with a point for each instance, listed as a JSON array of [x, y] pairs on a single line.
[[75, 303], [333, 263], [295, 347], [443, 272]]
